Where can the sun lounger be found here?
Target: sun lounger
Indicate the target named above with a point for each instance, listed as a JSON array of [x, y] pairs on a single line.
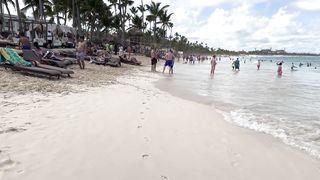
[[62, 70], [31, 55], [131, 62], [10, 60], [106, 61], [33, 70]]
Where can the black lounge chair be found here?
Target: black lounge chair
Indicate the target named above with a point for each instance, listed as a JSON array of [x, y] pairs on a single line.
[[62, 70], [133, 61], [32, 70], [107, 61], [31, 55], [11, 60]]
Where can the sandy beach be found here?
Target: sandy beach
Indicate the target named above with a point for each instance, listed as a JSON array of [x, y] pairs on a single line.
[[132, 130]]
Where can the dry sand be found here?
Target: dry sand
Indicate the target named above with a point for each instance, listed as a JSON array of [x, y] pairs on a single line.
[[16, 83], [133, 131]]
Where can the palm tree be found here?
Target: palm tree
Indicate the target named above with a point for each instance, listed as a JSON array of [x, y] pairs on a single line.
[[123, 6], [7, 3], [30, 4], [61, 7], [142, 9], [165, 20], [38, 7], [155, 10], [19, 15], [137, 22], [114, 3]]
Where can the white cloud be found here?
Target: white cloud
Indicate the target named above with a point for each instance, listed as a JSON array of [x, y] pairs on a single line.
[[309, 5], [240, 27]]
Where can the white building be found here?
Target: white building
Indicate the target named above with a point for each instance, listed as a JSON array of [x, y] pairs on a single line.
[[15, 23]]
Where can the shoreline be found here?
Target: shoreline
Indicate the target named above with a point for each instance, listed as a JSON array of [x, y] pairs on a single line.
[[133, 130]]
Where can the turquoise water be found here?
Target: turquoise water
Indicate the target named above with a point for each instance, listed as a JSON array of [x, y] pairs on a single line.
[[286, 107]]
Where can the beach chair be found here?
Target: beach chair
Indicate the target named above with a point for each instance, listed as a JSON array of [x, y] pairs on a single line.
[[31, 55], [132, 61], [8, 61]]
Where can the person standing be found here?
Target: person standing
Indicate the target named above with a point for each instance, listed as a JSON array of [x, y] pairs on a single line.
[[129, 51], [50, 39], [279, 71], [169, 61], [153, 60], [213, 64], [237, 64], [81, 52], [258, 65]]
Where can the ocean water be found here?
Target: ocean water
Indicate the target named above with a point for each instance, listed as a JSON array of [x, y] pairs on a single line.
[[285, 107]]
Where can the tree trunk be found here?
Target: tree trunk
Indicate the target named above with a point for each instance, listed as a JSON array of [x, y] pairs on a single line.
[[142, 16], [92, 26], [122, 22], [155, 28], [73, 14], [78, 16], [58, 19], [2, 19], [40, 10], [33, 11], [10, 20], [65, 17], [19, 15]]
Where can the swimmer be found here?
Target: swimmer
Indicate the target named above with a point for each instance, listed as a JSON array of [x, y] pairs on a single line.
[[292, 67]]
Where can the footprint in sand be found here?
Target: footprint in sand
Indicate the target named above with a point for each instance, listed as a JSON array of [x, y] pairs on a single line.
[[146, 139], [139, 127], [144, 103], [235, 164], [164, 178], [141, 112], [7, 163], [145, 156], [20, 171]]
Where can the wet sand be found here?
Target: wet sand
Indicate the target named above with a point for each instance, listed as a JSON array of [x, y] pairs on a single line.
[[131, 130]]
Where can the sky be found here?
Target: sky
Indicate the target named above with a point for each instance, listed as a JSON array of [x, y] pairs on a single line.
[[293, 25]]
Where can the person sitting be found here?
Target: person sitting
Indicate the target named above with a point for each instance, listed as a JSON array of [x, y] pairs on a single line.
[[24, 42], [38, 49]]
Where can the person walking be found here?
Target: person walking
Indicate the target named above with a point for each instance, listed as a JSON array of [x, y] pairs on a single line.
[[237, 64], [213, 64], [279, 71], [154, 60], [259, 64], [169, 61], [81, 52]]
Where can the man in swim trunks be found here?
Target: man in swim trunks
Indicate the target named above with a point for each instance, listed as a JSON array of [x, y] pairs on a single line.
[[24, 42], [169, 61], [153, 60], [81, 52], [237, 64]]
